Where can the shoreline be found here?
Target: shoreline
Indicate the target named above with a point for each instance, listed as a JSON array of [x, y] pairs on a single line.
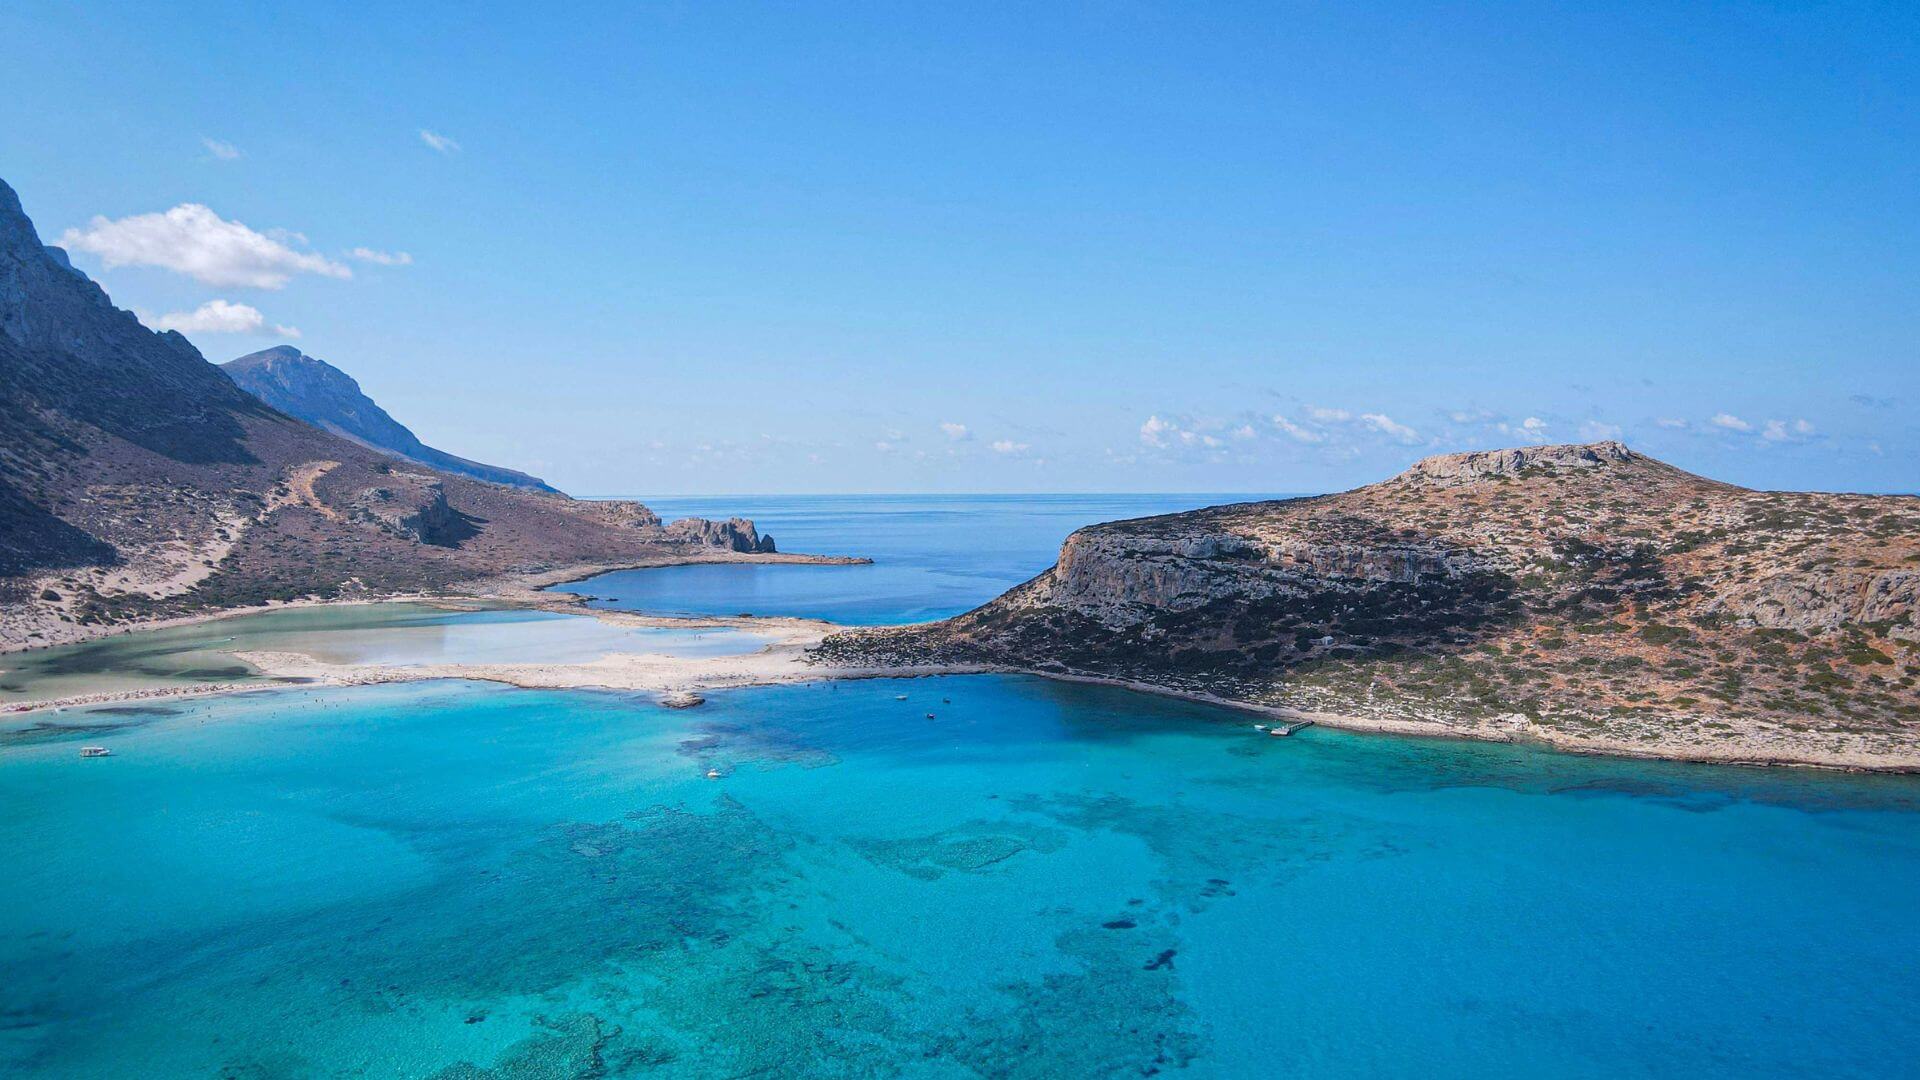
[[528, 589], [784, 660]]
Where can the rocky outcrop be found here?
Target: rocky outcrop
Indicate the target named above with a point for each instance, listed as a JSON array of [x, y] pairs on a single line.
[[1823, 601], [413, 507], [1573, 587], [623, 513], [328, 398], [1480, 465], [733, 534]]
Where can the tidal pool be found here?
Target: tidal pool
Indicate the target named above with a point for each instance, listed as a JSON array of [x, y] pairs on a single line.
[[395, 634], [462, 880]]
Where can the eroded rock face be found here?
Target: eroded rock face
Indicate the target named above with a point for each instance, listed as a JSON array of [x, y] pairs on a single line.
[[1824, 601], [623, 513], [1467, 468], [733, 534], [413, 506]]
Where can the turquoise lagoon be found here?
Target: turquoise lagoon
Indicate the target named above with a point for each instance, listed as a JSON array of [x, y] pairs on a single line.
[[398, 634], [462, 880]]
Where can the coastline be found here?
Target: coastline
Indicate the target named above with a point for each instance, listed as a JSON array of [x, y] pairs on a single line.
[[785, 660], [528, 589]]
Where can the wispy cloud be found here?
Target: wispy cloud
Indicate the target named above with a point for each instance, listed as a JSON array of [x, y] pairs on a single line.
[[1329, 416], [219, 317], [381, 258], [221, 149], [1729, 422], [439, 142], [1298, 433], [1386, 425], [1673, 423], [1783, 431], [191, 239], [1008, 446], [956, 432]]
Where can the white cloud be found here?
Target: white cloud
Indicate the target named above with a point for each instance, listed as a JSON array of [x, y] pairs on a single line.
[[956, 432], [884, 446], [1386, 425], [1730, 422], [1158, 432], [1533, 425], [193, 240], [439, 142], [1781, 431], [1244, 432], [219, 317], [1008, 446], [381, 258], [1296, 432], [220, 148], [1672, 423], [1326, 416]]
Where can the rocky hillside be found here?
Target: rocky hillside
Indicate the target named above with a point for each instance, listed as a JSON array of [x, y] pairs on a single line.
[[1586, 595], [326, 397], [137, 481]]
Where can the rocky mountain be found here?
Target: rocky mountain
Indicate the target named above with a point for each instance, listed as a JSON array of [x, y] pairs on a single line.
[[137, 481], [315, 391], [1588, 596]]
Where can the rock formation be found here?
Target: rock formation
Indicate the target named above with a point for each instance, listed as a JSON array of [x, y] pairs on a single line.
[[1571, 592], [733, 534], [328, 398]]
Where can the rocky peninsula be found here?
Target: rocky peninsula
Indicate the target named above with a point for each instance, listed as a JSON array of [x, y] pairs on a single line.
[[1583, 596]]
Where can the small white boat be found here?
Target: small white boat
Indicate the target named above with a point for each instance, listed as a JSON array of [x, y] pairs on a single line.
[[713, 774], [1259, 727], [95, 751], [899, 697], [929, 716]]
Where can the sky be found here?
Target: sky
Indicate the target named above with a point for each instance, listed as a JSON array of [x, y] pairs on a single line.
[[738, 248]]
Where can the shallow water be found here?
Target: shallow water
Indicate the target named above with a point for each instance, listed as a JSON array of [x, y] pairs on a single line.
[[933, 555], [1044, 880], [399, 635]]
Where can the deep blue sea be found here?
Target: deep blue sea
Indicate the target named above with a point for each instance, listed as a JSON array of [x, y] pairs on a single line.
[[933, 556], [461, 881]]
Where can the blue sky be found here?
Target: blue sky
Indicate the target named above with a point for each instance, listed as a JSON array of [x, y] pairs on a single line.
[[741, 248]]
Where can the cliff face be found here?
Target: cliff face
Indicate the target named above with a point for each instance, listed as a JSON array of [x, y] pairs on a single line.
[[733, 534], [138, 481], [1559, 591], [328, 398]]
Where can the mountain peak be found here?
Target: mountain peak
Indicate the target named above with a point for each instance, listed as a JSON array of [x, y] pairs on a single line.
[[330, 399]]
